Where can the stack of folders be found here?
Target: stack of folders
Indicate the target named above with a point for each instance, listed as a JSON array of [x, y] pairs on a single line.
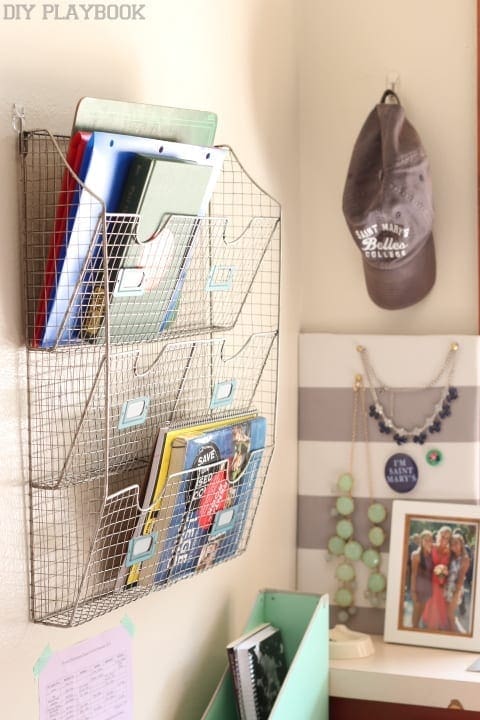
[[258, 667], [197, 498], [152, 162]]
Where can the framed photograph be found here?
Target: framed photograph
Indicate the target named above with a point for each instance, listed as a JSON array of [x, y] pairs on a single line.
[[433, 575]]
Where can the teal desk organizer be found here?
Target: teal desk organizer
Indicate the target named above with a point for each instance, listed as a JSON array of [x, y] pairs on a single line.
[[303, 620]]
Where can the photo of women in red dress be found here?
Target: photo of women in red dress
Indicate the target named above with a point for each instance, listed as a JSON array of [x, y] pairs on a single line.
[[435, 615], [438, 576]]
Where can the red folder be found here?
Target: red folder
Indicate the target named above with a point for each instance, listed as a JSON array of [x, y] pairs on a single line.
[[76, 149]]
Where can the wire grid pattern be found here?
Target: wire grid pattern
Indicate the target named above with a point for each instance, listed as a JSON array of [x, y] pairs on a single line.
[[88, 462]]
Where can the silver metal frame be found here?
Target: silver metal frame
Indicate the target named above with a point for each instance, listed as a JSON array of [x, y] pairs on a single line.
[[87, 471]]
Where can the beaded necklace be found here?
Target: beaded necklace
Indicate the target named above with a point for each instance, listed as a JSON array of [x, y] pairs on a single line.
[[433, 422], [343, 544]]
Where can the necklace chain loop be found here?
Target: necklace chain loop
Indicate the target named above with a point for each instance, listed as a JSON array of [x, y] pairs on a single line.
[[433, 422]]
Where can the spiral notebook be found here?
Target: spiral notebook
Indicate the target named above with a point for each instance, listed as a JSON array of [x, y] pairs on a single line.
[[259, 668]]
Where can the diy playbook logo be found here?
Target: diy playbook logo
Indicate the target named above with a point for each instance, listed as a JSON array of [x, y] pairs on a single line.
[[72, 11]]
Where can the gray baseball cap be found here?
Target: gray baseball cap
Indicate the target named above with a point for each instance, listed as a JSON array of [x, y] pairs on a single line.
[[388, 206]]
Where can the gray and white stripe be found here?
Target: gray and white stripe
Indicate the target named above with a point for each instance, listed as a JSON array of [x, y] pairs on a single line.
[[328, 364]]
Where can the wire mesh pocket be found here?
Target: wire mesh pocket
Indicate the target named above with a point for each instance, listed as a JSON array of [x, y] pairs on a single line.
[[203, 518], [92, 276], [187, 280], [77, 536], [97, 554], [97, 416]]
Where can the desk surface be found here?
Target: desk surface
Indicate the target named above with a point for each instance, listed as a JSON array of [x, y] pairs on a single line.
[[408, 674]]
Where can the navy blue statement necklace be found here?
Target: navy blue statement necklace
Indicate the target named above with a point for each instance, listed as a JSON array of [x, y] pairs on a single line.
[[433, 422]]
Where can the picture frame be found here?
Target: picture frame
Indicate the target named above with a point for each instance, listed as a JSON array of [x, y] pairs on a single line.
[[433, 575]]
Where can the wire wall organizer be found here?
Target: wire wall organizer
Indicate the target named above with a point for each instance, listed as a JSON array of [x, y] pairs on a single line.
[[150, 337]]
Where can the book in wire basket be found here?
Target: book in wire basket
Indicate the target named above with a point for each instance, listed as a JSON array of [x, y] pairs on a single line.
[[258, 665]]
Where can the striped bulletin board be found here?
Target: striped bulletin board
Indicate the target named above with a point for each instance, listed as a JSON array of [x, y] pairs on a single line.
[[328, 364]]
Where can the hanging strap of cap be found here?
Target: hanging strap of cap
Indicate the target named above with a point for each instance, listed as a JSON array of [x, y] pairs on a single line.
[[390, 93]]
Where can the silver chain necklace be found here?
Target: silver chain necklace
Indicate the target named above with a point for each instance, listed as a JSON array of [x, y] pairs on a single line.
[[433, 422]]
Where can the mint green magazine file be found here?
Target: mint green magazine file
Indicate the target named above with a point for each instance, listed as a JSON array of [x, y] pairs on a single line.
[[303, 620]]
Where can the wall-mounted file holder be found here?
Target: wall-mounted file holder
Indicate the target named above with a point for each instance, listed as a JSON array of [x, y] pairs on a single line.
[[203, 352]]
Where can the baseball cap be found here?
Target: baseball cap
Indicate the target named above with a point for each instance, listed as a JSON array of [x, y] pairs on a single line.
[[388, 206]]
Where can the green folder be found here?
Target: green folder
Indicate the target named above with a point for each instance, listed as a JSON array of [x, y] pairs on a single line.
[[303, 620], [195, 127]]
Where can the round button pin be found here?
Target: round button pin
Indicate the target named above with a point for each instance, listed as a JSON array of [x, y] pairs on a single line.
[[401, 472], [434, 457]]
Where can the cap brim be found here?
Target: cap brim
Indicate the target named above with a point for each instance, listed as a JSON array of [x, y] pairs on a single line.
[[405, 284]]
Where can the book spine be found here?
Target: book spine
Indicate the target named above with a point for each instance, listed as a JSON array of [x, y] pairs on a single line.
[[167, 552], [232, 662], [192, 535], [167, 508]]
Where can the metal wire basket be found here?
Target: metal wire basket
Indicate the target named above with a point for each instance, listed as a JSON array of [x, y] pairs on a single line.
[[118, 370]]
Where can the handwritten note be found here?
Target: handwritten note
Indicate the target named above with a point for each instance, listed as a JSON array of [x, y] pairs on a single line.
[[89, 681]]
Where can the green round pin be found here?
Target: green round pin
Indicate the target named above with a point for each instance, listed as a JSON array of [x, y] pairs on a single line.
[[434, 457]]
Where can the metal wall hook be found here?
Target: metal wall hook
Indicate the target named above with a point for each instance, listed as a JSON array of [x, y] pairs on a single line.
[[18, 118], [391, 97], [393, 81]]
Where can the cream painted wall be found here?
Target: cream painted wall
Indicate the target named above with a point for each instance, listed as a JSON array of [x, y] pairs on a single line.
[[237, 59], [347, 49]]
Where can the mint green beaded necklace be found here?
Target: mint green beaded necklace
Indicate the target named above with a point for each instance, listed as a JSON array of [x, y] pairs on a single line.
[[343, 544]]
